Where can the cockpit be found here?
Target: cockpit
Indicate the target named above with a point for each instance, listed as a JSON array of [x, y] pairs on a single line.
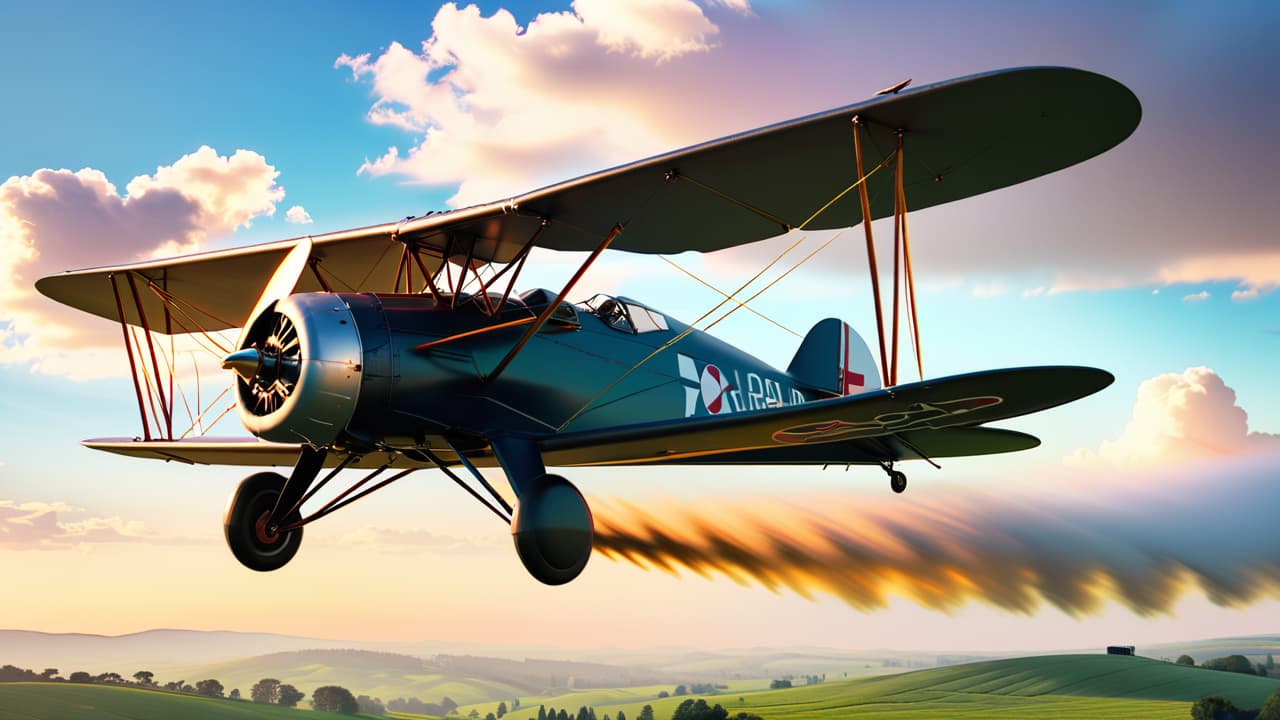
[[626, 315]]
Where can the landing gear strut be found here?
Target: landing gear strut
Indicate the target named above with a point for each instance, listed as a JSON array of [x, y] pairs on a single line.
[[897, 478], [552, 527]]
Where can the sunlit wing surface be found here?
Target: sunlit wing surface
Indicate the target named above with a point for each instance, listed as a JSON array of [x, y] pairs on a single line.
[[964, 137], [900, 413]]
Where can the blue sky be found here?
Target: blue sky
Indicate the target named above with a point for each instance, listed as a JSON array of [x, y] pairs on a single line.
[[1102, 264]]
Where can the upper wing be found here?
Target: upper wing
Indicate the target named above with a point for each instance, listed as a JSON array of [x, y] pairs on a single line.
[[864, 422], [964, 137]]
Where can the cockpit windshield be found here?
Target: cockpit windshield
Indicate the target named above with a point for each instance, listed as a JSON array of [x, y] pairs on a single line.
[[625, 315]]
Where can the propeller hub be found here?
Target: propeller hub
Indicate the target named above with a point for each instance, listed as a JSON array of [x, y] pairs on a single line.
[[246, 363]]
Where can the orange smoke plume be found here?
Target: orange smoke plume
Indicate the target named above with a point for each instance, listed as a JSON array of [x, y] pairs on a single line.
[[944, 547]]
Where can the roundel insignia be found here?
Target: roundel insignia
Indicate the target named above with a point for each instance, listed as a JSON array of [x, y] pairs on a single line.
[[714, 388]]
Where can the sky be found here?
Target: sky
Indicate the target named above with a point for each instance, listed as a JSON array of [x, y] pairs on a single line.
[[134, 132]]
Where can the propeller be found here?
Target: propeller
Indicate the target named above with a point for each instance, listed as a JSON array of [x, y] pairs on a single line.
[[268, 352]]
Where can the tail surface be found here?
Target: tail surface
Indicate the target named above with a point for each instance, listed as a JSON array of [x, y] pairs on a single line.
[[834, 358]]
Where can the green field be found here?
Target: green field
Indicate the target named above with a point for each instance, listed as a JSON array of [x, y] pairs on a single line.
[[1057, 686], [67, 701]]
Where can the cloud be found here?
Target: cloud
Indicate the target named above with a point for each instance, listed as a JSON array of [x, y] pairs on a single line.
[[500, 109], [494, 109], [298, 215], [399, 540], [1196, 297], [1245, 295], [35, 526], [55, 220], [1072, 537], [1179, 418]]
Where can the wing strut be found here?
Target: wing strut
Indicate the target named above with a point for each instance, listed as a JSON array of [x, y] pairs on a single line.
[[858, 124], [551, 307]]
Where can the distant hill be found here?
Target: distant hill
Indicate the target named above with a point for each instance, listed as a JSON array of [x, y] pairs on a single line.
[[464, 678], [65, 701]]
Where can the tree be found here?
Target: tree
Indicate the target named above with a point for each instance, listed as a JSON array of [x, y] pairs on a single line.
[[209, 688], [334, 698], [1271, 663], [266, 690], [1260, 670], [1271, 708], [502, 709], [50, 674], [109, 677], [1208, 708], [474, 714], [235, 694], [1230, 663], [289, 696], [448, 705], [80, 676], [562, 715], [646, 713], [583, 714], [490, 716], [144, 677], [779, 684], [542, 712], [370, 706], [622, 715], [681, 690], [699, 710], [1185, 660], [663, 694]]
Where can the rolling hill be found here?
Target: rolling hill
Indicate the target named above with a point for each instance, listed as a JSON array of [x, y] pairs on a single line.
[[1079, 686], [66, 701]]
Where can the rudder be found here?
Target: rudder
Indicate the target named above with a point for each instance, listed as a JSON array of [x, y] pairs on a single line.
[[834, 358]]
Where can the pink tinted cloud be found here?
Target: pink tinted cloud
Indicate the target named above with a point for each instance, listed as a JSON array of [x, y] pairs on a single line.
[[55, 220], [36, 526]]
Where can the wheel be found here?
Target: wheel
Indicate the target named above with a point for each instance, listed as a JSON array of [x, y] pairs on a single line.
[[897, 480], [245, 524], [553, 530]]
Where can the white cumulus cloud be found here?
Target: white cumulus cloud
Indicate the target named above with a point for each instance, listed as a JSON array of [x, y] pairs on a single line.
[[298, 215], [1196, 297], [55, 220], [1179, 417], [500, 109]]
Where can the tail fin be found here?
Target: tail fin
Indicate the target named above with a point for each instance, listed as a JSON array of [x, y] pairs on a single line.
[[833, 357]]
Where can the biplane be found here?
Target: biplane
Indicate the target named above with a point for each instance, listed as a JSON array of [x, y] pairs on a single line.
[[405, 346]]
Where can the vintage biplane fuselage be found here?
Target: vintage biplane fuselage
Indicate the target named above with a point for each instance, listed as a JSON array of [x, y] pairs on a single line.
[[408, 371], [403, 346]]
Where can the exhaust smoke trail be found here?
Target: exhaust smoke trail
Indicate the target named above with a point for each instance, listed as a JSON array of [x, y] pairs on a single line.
[[944, 547]]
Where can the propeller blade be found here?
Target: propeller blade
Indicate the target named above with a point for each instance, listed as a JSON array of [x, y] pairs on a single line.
[[281, 284]]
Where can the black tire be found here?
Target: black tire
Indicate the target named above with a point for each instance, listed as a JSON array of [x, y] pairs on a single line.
[[897, 481], [249, 507]]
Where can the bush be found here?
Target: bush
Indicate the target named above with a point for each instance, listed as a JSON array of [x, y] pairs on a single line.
[[1208, 708], [1185, 660], [1231, 663], [1271, 708]]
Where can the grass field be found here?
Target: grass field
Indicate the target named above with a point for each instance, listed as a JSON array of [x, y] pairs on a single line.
[[1056, 686], [66, 701], [1100, 687]]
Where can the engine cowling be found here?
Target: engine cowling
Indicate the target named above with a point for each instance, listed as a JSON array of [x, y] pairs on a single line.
[[299, 370]]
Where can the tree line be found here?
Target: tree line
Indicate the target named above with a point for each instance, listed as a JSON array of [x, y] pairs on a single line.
[[1234, 663]]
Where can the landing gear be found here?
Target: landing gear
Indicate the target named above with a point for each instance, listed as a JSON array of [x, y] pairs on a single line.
[[248, 527], [552, 530], [897, 478]]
